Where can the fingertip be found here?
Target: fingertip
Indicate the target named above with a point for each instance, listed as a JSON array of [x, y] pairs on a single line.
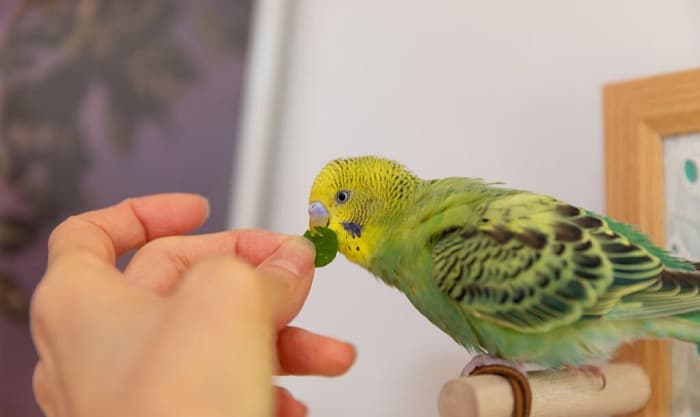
[[170, 213], [344, 355], [288, 406], [295, 255], [351, 355], [302, 352], [306, 242], [207, 206], [288, 273]]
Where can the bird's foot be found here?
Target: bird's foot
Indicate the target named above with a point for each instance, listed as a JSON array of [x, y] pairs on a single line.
[[514, 373], [590, 371], [481, 361]]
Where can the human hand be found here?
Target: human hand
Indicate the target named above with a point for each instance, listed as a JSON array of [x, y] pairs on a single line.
[[195, 325]]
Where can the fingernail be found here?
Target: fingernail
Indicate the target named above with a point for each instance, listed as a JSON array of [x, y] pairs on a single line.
[[207, 206], [295, 255]]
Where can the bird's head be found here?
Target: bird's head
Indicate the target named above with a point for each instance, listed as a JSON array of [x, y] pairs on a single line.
[[355, 197]]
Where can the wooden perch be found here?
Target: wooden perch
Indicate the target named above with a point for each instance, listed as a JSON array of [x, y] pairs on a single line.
[[560, 393]]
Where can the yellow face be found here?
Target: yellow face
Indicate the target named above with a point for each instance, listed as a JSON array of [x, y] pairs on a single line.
[[353, 197]]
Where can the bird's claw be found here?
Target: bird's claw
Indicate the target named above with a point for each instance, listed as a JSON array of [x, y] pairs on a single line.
[[590, 371]]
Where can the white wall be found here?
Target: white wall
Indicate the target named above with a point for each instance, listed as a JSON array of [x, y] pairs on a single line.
[[505, 90]]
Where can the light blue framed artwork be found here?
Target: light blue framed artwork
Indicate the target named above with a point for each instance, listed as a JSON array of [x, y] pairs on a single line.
[[682, 185]]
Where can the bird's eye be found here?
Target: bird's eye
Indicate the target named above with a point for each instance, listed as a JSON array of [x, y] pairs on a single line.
[[342, 196]]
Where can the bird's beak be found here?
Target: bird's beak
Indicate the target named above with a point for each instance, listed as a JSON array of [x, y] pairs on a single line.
[[318, 215]]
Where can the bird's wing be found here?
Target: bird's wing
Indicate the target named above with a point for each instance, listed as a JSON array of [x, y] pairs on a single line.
[[533, 264]]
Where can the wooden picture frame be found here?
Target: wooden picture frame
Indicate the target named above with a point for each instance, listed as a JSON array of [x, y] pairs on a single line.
[[639, 115]]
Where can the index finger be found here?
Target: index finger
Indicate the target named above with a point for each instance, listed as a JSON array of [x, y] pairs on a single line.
[[160, 264], [110, 232]]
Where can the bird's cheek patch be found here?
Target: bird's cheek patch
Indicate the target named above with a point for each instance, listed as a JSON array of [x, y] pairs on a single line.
[[354, 229]]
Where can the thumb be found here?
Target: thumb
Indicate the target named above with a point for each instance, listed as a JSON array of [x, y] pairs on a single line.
[[226, 309], [287, 276], [219, 331]]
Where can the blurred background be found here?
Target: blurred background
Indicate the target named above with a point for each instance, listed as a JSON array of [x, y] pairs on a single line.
[[101, 100], [504, 90]]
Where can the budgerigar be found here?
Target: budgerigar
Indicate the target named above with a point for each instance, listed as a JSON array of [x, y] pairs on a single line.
[[523, 276]]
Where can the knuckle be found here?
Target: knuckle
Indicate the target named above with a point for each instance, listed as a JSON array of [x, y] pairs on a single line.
[[41, 314], [178, 260], [41, 388], [57, 292], [40, 304], [57, 231], [167, 249]]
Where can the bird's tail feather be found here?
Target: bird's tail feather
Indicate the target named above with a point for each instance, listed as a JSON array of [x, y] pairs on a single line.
[[684, 327], [694, 317], [689, 328]]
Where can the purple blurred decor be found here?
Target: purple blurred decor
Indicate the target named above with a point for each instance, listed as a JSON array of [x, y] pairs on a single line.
[[101, 100]]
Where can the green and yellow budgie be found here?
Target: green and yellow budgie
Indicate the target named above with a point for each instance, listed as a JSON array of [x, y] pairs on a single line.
[[519, 275]]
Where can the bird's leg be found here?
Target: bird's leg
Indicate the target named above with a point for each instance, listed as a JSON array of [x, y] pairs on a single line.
[[481, 361], [590, 371]]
